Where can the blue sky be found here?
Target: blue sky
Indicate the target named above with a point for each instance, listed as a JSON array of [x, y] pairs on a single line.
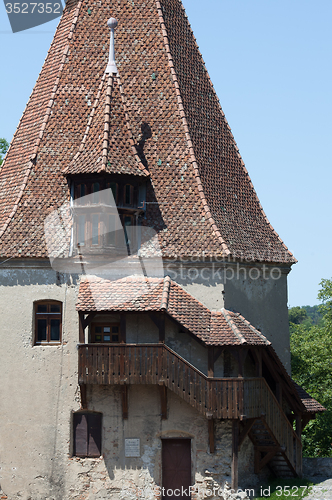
[[270, 63]]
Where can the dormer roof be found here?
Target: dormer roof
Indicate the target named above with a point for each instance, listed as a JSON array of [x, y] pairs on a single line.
[[200, 201], [107, 145]]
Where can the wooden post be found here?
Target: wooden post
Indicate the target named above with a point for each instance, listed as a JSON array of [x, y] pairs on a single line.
[[123, 331], [235, 452], [210, 361], [81, 335], [211, 434], [298, 423], [163, 401]]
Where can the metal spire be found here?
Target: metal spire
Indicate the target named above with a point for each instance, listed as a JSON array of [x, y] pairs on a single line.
[[111, 66]]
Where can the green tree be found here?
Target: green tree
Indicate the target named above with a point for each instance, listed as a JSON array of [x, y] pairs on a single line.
[[3, 149], [297, 315], [311, 348]]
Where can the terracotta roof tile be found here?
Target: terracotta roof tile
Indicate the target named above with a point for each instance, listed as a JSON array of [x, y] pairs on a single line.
[[201, 199], [153, 294], [309, 402]]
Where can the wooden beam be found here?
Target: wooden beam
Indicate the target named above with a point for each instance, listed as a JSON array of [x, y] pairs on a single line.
[[84, 403], [245, 430], [87, 321], [235, 453], [124, 391], [267, 458], [211, 434], [306, 419], [163, 401], [210, 361], [123, 328], [81, 334], [298, 425]]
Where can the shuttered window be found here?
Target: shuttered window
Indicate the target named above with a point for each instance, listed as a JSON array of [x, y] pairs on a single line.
[[87, 434]]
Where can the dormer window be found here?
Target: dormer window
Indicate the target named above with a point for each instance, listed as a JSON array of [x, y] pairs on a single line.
[[103, 221]]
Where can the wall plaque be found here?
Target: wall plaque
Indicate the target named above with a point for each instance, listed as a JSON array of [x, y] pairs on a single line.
[[132, 448]]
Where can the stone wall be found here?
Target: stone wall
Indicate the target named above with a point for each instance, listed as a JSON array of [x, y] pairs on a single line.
[[317, 467]]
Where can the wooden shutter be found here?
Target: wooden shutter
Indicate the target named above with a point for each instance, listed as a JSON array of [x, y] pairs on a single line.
[[80, 435], [94, 434]]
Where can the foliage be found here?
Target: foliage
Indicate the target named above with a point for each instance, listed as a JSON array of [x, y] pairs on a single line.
[[282, 489], [311, 348], [308, 315], [3, 149]]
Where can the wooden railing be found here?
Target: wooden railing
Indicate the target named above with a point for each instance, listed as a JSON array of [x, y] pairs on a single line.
[[226, 398]]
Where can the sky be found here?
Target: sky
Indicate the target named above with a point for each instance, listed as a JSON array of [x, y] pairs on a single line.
[[270, 63]]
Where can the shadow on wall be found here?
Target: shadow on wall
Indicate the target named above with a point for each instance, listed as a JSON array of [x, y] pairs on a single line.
[[118, 476]]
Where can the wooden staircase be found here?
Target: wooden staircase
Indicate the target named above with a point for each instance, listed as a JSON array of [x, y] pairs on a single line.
[[249, 400], [269, 452]]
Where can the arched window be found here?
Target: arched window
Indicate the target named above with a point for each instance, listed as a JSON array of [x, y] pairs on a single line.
[[48, 322]]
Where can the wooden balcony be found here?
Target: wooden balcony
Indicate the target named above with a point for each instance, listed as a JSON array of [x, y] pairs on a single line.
[[217, 398]]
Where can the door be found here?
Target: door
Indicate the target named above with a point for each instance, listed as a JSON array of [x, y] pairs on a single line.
[[176, 468]]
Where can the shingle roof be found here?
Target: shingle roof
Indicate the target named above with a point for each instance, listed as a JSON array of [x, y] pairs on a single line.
[[205, 199], [311, 405], [153, 294], [107, 145]]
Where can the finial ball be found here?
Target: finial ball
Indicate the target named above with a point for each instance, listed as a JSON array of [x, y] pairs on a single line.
[[112, 23]]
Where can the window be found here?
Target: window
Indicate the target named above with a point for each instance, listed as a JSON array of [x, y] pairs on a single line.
[[105, 333], [87, 434], [98, 224], [128, 197], [48, 319]]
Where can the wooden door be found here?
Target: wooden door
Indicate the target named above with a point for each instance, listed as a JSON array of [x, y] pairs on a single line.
[[176, 468]]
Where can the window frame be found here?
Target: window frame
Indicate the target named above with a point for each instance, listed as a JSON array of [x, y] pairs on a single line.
[[48, 316], [105, 325]]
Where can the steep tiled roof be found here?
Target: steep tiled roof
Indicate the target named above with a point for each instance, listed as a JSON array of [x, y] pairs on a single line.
[[153, 294], [201, 197]]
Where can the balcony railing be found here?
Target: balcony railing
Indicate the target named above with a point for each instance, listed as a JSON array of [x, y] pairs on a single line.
[[220, 398]]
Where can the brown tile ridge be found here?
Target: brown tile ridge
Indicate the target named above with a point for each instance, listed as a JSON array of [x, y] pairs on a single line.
[[130, 132], [215, 230], [257, 332], [107, 114], [235, 144], [303, 394], [44, 123], [165, 293], [233, 326], [83, 142]]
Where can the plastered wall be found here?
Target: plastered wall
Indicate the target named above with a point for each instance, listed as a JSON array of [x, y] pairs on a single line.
[[39, 392]]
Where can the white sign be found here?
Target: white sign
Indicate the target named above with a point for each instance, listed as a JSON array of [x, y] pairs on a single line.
[[132, 448]]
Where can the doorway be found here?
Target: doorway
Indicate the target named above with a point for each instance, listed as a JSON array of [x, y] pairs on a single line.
[[176, 468]]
